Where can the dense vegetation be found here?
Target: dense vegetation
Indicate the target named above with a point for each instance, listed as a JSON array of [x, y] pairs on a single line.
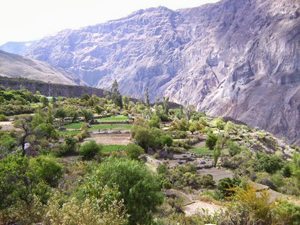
[[54, 171]]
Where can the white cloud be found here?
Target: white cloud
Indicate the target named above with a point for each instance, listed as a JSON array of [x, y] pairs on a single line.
[[22, 20]]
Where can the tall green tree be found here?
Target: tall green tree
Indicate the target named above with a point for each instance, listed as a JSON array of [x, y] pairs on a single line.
[[147, 99], [115, 94]]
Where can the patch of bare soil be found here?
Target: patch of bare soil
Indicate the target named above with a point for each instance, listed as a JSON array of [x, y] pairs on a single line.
[[7, 125], [217, 173], [201, 207], [110, 139]]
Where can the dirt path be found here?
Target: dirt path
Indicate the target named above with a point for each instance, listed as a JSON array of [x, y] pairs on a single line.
[[110, 139]]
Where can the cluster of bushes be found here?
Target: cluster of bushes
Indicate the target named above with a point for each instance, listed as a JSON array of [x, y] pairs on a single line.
[[147, 137], [185, 176], [26, 186]]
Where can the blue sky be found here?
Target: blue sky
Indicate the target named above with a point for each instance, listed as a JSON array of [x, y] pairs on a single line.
[[24, 20]]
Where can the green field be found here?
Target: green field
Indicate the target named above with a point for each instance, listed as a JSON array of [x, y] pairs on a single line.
[[73, 125], [110, 127], [202, 151], [118, 118], [69, 132], [100, 126], [112, 148]]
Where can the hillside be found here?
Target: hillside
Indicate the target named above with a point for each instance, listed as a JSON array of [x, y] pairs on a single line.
[[14, 47], [94, 161], [15, 66], [49, 89], [236, 58]]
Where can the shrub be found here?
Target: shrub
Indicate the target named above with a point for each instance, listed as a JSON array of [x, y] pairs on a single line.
[[233, 148], [286, 213], [134, 151], [226, 186], [22, 190], [3, 118], [47, 169], [90, 211], [154, 121], [211, 141], [268, 163], [140, 190], [144, 137], [69, 147], [89, 150], [166, 140], [248, 207]]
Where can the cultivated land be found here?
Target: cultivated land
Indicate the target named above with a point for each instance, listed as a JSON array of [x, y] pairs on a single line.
[[199, 165]]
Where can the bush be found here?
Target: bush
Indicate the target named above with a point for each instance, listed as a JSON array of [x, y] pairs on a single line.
[[140, 190], [3, 118], [233, 148], [23, 190], [267, 163], [226, 186], [211, 141], [151, 137], [89, 150], [154, 121], [68, 148], [286, 213], [47, 169], [134, 151], [166, 140], [90, 211]]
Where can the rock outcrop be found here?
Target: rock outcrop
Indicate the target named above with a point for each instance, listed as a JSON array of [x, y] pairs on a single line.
[[235, 58]]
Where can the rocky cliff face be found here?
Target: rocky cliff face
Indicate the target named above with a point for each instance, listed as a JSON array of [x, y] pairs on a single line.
[[237, 58]]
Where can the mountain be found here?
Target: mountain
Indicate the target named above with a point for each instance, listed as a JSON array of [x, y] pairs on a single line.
[[235, 58], [18, 48], [14, 66]]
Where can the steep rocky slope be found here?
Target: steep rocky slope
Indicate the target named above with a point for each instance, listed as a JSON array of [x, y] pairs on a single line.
[[237, 58], [17, 66]]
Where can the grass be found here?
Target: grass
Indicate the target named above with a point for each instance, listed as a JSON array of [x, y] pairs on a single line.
[[73, 125], [112, 148], [118, 118], [68, 132], [77, 126], [110, 127], [202, 151]]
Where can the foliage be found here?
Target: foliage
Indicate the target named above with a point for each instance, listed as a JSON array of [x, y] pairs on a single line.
[[8, 143], [115, 94], [226, 186], [233, 148], [69, 147], [139, 189], [151, 137], [87, 115], [89, 150], [134, 151], [248, 207], [187, 176], [46, 169], [211, 141], [24, 187], [154, 121], [268, 163], [86, 212], [3, 118]]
